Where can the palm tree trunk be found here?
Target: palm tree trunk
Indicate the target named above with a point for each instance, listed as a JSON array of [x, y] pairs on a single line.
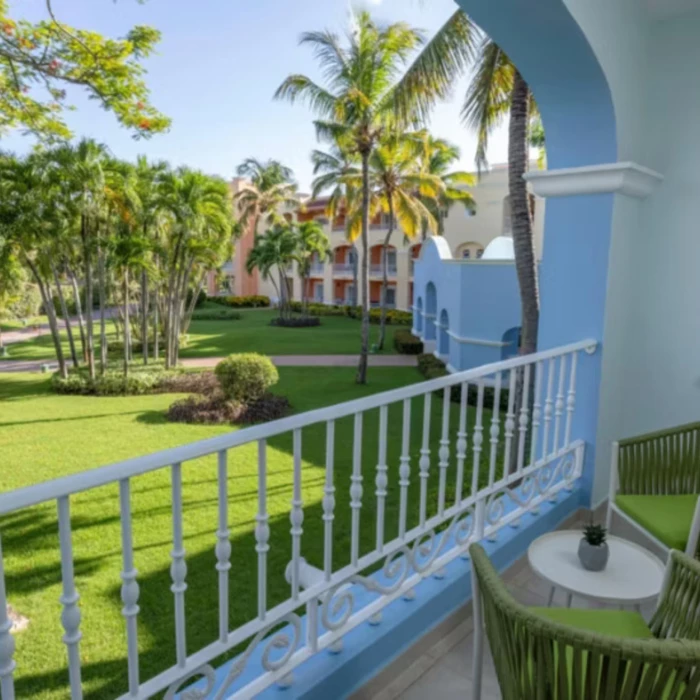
[[354, 277], [523, 241], [90, 345], [193, 303], [66, 317], [385, 277], [283, 292], [364, 331], [78, 311], [156, 326], [127, 326], [103, 301], [144, 315]]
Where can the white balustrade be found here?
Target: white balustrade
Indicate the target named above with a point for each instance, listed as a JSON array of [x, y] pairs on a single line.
[[508, 473]]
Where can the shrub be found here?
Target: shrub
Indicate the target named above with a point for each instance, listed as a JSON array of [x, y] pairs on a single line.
[[394, 317], [253, 301], [216, 410], [201, 299], [204, 383], [406, 343], [296, 322], [246, 377], [144, 380], [433, 368], [216, 315]]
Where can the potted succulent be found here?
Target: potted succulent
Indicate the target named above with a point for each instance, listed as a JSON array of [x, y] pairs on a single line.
[[593, 549]]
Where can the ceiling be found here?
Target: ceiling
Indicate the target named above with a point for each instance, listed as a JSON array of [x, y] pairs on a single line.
[[667, 8]]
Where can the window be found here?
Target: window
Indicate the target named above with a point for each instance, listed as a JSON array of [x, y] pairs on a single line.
[[479, 253], [391, 259], [466, 253], [318, 291], [391, 296]]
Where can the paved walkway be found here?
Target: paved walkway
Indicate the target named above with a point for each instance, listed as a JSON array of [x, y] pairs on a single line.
[[279, 360]]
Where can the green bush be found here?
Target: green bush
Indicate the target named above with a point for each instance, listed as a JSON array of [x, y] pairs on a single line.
[[250, 302], [216, 315], [246, 377], [394, 317], [432, 368], [201, 298], [406, 343], [141, 380]]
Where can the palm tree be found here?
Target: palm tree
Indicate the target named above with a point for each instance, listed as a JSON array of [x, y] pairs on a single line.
[[436, 157], [276, 248], [337, 171], [398, 188], [497, 90], [270, 189], [356, 106], [311, 244]]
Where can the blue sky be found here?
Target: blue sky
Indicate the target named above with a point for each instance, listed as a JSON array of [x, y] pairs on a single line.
[[217, 68]]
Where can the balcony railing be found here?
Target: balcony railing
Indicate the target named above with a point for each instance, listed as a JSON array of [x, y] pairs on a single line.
[[343, 268], [378, 270], [488, 468], [317, 268]]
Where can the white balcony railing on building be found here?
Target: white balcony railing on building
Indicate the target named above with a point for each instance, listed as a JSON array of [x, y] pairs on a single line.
[[486, 469], [378, 270], [343, 268], [316, 268]]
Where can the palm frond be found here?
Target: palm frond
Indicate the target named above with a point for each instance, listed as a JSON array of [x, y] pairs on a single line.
[[300, 88]]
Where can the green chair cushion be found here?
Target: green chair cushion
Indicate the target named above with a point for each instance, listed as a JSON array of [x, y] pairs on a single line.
[[668, 518], [618, 623]]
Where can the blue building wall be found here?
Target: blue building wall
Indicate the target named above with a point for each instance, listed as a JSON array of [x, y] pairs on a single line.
[[478, 301]]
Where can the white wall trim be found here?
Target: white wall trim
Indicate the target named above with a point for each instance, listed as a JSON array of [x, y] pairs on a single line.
[[477, 341], [626, 178]]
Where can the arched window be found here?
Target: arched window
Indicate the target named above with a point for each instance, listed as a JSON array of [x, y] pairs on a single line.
[[470, 251]]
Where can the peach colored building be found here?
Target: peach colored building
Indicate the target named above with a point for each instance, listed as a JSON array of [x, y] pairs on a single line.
[[331, 282]]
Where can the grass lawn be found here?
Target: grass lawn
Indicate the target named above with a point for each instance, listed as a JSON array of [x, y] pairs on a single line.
[[43, 436], [253, 333]]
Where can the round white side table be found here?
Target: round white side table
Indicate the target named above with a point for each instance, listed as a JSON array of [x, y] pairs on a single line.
[[632, 577]]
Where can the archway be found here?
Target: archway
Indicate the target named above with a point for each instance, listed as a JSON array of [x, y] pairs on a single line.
[[469, 251], [418, 316], [511, 343], [430, 311], [444, 340]]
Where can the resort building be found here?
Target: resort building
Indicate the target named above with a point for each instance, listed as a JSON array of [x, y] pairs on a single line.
[[467, 235]]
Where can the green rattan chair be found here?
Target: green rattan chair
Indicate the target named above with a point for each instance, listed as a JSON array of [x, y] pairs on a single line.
[[655, 486], [574, 654]]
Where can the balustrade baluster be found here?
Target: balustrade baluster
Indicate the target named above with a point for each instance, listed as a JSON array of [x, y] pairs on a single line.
[[559, 404], [424, 461], [262, 529], [296, 515], [7, 642], [548, 410], [444, 451], [571, 399], [178, 567], [223, 546], [495, 429], [381, 480], [405, 465], [478, 438], [536, 413], [461, 443], [328, 502], [509, 424], [130, 587], [70, 617], [523, 418], [356, 488]]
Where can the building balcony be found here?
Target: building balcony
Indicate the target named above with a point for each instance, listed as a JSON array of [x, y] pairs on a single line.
[[317, 269], [501, 477], [378, 270], [343, 269]]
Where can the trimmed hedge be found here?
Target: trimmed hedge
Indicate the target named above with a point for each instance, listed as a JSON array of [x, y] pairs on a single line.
[[433, 368], [141, 380], [394, 317], [246, 377], [254, 301], [216, 315], [296, 322], [406, 343], [201, 299]]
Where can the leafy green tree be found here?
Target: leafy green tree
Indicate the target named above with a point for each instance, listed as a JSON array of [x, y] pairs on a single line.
[[311, 244], [356, 105], [38, 60]]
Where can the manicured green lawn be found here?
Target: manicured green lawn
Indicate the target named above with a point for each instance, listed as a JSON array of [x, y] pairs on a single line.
[[253, 333], [43, 436]]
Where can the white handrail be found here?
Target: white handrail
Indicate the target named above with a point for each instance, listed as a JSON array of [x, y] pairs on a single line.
[[101, 476]]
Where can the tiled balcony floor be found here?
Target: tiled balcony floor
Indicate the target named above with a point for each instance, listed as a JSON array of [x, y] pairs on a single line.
[[441, 669]]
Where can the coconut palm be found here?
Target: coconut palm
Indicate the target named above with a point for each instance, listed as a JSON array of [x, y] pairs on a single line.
[[336, 172], [276, 248], [356, 105], [496, 90], [269, 190], [311, 244], [436, 157], [398, 188]]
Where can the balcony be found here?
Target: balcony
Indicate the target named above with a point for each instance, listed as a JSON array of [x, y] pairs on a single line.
[[378, 270], [465, 473], [343, 268], [317, 268]]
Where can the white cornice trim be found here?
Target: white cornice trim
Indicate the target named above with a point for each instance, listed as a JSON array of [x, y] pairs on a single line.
[[477, 341], [628, 178]]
